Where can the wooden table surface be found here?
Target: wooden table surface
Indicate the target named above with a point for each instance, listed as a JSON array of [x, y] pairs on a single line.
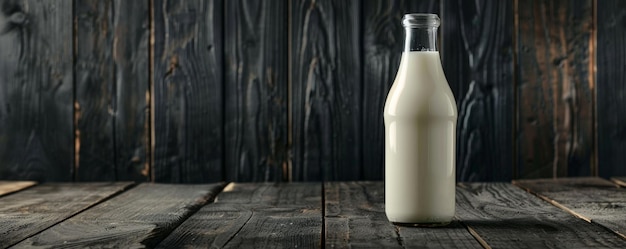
[[546, 213]]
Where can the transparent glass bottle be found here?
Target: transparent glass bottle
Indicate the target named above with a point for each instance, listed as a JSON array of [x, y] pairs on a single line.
[[420, 124]]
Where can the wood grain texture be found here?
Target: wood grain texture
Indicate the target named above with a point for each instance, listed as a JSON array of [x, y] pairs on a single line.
[[188, 88], [111, 86], [592, 199], [326, 89], [255, 90], [138, 218], [507, 217], [355, 217], [255, 215], [611, 87], [36, 138], [619, 180], [94, 91], [7, 187], [383, 38], [555, 89], [477, 59], [33, 210], [132, 99]]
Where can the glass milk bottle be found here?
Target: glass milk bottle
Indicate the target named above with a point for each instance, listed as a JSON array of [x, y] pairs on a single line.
[[420, 125]]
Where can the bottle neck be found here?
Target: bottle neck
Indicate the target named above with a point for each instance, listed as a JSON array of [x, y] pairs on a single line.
[[420, 39]]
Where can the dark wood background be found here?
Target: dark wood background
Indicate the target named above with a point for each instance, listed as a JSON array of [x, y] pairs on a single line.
[[293, 90]]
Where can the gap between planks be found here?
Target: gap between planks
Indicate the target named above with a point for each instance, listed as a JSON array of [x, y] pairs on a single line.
[[617, 182], [552, 202], [476, 236], [255, 215], [125, 186], [621, 181], [46, 236], [323, 213], [224, 186]]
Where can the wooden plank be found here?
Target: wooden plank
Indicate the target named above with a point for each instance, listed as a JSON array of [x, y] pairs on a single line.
[[555, 88], [36, 137], [255, 90], [355, 217], [611, 90], [7, 187], [140, 217], [132, 97], [503, 216], [33, 210], [111, 86], [188, 88], [619, 180], [259, 215], [478, 59], [94, 105], [326, 89], [592, 199], [383, 38]]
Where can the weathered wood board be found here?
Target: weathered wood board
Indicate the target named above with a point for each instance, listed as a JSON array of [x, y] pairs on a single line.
[[94, 107], [555, 89], [36, 90], [255, 90], [354, 216], [33, 210], [611, 87], [187, 91], [140, 217], [7, 187], [592, 199], [325, 83], [132, 97], [504, 216], [112, 111], [259, 215], [477, 56]]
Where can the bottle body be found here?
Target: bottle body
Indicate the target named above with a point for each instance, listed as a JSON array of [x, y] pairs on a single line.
[[420, 118]]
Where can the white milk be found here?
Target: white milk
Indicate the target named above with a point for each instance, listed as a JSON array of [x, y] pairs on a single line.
[[420, 125]]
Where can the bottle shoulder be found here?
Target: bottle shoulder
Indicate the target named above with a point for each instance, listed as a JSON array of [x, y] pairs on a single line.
[[420, 88], [434, 101]]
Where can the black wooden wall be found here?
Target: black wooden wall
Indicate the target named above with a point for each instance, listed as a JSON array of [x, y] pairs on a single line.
[[293, 90]]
